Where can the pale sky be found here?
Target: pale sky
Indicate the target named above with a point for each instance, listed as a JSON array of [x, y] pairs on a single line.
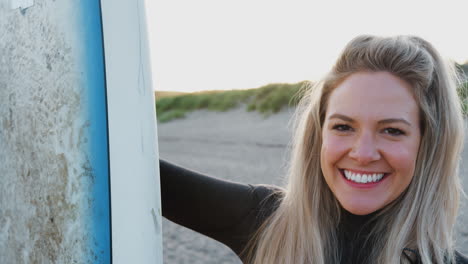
[[239, 44]]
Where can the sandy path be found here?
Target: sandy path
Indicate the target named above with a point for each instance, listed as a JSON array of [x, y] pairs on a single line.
[[238, 146]]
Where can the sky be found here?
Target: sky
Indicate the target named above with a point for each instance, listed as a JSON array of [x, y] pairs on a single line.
[[239, 44]]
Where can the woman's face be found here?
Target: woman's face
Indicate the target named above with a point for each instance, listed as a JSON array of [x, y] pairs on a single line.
[[371, 138]]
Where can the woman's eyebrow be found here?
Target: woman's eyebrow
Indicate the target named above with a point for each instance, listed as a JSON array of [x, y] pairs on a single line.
[[343, 117], [394, 120], [384, 121]]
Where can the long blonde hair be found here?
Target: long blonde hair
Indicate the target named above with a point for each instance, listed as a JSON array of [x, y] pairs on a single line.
[[304, 227]]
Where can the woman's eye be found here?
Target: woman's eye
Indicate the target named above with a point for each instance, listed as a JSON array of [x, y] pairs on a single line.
[[342, 127], [393, 131]]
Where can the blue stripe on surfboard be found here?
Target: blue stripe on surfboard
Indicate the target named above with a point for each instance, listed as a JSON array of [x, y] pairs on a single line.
[[99, 243]]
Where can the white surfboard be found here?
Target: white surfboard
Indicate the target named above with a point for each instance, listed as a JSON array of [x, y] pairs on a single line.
[[78, 150]]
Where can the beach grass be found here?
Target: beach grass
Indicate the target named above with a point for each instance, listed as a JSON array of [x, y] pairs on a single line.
[[463, 95], [162, 94], [267, 99]]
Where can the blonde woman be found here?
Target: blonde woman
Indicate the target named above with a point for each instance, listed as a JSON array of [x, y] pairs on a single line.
[[373, 175]]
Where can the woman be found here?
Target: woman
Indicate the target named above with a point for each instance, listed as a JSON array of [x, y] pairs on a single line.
[[373, 172]]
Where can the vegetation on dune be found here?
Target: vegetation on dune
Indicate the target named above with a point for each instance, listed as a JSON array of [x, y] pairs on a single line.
[[462, 68], [272, 98], [463, 88], [463, 94], [267, 99], [161, 94]]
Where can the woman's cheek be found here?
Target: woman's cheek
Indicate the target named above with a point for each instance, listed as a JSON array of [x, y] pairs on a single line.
[[401, 155], [334, 147]]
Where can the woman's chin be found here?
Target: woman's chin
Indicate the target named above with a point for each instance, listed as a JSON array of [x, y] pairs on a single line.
[[360, 208]]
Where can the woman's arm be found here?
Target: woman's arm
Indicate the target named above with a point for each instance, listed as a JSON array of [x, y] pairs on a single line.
[[223, 210]]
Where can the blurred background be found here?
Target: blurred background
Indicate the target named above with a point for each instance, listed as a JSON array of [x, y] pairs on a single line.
[[226, 76]]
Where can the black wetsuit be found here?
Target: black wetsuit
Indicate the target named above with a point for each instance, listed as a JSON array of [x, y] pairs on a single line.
[[231, 212]]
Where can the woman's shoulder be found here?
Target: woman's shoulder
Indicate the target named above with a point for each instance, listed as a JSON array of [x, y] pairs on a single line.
[[267, 195], [263, 191], [267, 200], [460, 258]]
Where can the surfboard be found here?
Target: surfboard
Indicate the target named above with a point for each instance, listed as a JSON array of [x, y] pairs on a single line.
[[78, 139]]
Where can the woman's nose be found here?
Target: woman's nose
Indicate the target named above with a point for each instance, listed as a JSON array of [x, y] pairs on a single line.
[[365, 149]]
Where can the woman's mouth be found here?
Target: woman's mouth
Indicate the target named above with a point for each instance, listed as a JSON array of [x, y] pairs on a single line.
[[363, 178]]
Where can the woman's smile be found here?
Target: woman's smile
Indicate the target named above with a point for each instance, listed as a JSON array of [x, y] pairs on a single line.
[[363, 177], [370, 140]]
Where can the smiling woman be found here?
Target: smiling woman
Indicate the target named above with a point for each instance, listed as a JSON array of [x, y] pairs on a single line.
[[373, 174]]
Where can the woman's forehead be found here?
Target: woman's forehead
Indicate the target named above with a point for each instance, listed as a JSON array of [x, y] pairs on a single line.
[[373, 94]]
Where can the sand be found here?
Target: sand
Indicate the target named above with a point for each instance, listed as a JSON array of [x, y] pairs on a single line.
[[244, 147]]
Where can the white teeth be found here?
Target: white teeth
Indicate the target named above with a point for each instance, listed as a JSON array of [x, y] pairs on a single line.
[[347, 174], [363, 178], [358, 178]]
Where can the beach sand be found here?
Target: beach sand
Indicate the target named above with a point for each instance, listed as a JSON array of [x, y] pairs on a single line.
[[243, 147]]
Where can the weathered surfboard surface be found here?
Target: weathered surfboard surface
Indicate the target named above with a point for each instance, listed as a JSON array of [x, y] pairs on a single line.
[[61, 165]]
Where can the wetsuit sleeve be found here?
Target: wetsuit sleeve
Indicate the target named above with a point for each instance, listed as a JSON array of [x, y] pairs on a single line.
[[223, 210], [460, 258]]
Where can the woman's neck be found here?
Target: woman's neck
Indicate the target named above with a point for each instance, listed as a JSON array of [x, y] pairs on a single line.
[[354, 232], [349, 218]]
